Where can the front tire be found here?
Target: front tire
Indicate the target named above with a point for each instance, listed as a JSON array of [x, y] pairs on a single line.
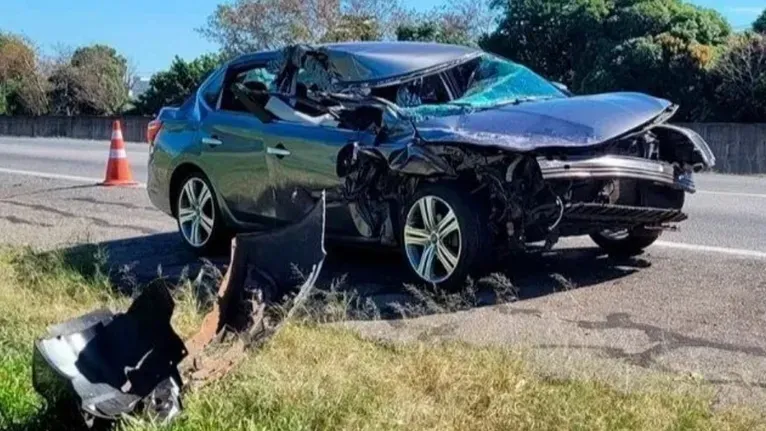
[[197, 214], [444, 236], [625, 242]]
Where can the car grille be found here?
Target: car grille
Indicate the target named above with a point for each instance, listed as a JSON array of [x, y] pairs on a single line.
[[621, 214]]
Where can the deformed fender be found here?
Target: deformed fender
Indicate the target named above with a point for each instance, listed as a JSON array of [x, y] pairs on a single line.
[[685, 145], [410, 159], [418, 160]]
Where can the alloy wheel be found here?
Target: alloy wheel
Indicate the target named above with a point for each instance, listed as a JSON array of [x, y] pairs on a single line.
[[196, 212], [432, 239]]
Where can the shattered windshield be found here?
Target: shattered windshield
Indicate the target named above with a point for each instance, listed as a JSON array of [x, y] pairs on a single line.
[[485, 82]]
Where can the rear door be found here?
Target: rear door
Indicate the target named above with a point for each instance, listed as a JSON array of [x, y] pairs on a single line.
[[234, 150]]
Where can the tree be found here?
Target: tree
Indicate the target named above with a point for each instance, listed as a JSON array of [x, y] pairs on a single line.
[[662, 65], [458, 22], [23, 86], [173, 86], [102, 76], [353, 27], [253, 25], [662, 47], [557, 38], [94, 80], [740, 79], [759, 25]]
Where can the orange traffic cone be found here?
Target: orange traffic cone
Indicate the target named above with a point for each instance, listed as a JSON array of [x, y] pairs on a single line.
[[118, 167]]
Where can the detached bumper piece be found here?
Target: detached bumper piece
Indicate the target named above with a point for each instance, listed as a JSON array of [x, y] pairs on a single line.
[[108, 365], [264, 268], [621, 214]]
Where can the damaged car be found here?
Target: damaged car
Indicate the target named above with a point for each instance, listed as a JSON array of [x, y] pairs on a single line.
[[452, 154]]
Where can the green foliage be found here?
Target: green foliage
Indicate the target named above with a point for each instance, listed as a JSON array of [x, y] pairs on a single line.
[[599, 45], [457, 22], [22, 86], [760, 23], [242, 26], [93, 81], [739, 78], [558, 38], [173, 86], [432, 31]]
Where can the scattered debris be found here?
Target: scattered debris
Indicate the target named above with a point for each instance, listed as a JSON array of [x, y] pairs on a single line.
[[110, 364], [258, 278]]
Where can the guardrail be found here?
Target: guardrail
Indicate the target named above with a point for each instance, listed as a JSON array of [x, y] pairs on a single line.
[[739, 148]]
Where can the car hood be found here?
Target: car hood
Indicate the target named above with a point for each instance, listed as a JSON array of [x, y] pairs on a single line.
[[571, 122]]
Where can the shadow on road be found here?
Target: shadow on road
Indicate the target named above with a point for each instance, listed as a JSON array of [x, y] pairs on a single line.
[[380, 278]]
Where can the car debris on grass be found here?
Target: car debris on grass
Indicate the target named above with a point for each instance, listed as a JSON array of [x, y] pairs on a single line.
[[108, 365]]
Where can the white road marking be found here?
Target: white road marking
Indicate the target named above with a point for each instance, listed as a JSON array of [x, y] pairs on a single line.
[[53, 176], [748, 195], [712, 249]]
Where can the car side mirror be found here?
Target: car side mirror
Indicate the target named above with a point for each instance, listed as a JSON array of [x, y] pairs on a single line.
[[563, 88]]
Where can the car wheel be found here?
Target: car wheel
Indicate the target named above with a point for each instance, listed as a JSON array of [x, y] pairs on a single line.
[[197, 214], [443, 235], [625, 242]]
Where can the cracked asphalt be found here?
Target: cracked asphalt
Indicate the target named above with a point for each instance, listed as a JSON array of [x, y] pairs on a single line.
[[692, 305]]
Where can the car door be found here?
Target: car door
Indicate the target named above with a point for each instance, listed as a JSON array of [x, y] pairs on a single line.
[[302, 162], [234, 151]]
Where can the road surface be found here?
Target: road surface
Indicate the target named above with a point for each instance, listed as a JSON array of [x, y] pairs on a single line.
[[694, 303]]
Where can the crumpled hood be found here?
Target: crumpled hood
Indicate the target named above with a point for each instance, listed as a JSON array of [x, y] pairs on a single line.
[[572, 122]]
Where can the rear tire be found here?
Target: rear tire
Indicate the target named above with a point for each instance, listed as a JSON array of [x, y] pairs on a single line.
[[628, 243], [444, 225], [198, 216]]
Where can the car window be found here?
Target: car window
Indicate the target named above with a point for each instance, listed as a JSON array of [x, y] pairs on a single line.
[[428, 90], [212, 89], [314, 74], [259, 75], [256, 78], [434, 90]]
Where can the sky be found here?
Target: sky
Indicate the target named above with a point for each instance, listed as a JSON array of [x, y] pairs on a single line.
[[151, 32]]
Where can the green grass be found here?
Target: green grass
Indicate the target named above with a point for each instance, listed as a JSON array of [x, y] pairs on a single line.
[[313, 377]]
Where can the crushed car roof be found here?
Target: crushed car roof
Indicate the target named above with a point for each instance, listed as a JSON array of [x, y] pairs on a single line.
[[375, 62], [372, 61]]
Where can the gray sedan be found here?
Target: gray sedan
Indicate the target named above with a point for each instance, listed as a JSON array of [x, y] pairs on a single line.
[[449, 153]]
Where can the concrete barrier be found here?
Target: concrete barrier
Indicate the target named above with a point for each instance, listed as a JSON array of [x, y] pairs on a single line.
[[739, 148], [79, 127]]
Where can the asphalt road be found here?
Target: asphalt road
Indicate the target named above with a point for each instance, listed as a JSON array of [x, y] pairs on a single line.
[[67, 157], [692, 304]]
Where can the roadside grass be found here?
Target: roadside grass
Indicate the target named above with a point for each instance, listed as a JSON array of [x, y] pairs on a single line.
[[38, 289], [312, 376]]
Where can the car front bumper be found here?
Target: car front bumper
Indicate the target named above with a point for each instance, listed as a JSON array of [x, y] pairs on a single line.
[[613, 166]]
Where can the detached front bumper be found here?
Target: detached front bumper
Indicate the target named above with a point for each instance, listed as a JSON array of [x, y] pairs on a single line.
[[613, 166]]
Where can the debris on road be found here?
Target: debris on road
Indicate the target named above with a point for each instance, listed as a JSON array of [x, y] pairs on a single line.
[[111, 364]]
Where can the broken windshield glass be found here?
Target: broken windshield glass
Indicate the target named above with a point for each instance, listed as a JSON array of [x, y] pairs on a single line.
[[488, 81]]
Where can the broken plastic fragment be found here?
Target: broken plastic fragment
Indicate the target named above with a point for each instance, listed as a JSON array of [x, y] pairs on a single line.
[[108, 364]]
